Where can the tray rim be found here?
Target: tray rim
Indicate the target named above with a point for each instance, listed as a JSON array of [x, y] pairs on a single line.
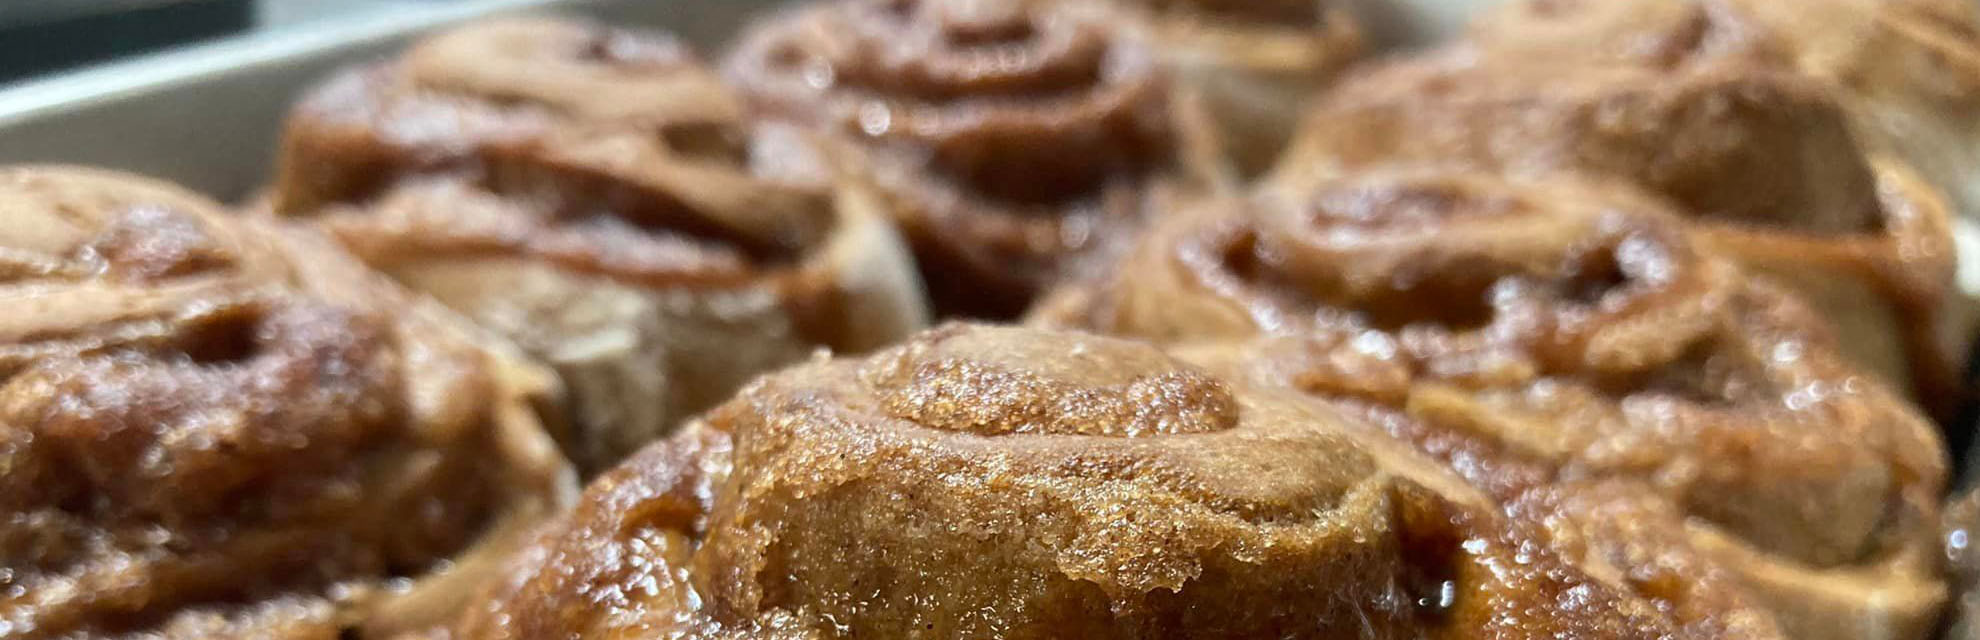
[[208, 115]]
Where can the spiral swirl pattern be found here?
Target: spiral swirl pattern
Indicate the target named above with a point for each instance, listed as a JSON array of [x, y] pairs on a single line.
[[1763, 162], [1569, 324], [595, 195], [1013, 137], [842, 498], [212, 424]]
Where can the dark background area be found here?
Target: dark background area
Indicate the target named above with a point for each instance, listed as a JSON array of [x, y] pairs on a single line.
[[51, 36]]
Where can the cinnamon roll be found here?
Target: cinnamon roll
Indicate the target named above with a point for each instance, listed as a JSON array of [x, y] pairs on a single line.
[[1574, 325], [595, 195], [1761, 160], [1254, 64], [1907, 70], [979, 481], [1016, 142], [212, 426]]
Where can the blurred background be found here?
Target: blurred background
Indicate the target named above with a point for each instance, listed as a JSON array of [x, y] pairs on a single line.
[[42, 36], [194, 90]]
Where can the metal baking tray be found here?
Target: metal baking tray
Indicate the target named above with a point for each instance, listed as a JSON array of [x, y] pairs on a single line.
[[207, 116]]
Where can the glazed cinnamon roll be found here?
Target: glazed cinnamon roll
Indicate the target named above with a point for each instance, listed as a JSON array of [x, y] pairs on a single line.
[[979, 481], [1254, 64], [1575, 325], [1015, 141], [1761, 160], [217, 427], [596, 196], [1908, 70]]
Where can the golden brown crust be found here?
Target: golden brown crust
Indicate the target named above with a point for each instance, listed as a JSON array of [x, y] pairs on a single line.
[[1015, 141], [216, 425], [1762, 160], [1729, 143], [973, 481], [1908, 70], [522, 98], [1575, 326], [596, 195]]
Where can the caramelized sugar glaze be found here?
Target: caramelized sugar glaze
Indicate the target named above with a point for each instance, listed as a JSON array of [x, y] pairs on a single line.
[[1573, 327], [1468, 365], [1015, 142], [599, 197], [1706, 114], [979, 482], [212, 427]]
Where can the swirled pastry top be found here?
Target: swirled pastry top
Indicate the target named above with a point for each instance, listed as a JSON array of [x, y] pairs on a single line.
[[595, 195], [981, 481], [606, 153], [1572, 324], [1760, 159], [1014, 138], [1909, 70], [1737, 143], [1019, 101], [209, 424], [633, 155], [1906, 73]]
